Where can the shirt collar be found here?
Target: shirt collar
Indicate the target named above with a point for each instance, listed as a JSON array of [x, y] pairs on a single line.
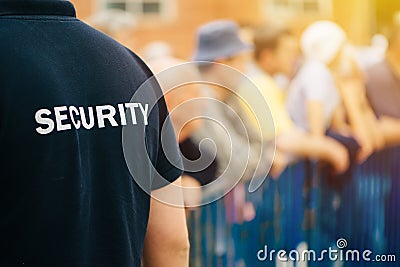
[[36, 7]]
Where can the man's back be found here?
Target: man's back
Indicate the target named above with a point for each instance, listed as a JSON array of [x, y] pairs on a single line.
[[67, 197]]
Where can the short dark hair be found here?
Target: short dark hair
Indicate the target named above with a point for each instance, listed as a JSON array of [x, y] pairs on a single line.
[[267, 37]]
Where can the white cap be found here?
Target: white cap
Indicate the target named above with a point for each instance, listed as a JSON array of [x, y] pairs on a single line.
[[322, 41], [156, 50]]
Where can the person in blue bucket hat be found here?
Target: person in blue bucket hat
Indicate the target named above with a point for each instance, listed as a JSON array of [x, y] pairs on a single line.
[[219, 40]]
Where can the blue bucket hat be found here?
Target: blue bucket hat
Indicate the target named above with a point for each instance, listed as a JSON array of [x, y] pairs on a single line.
[[217, 40]]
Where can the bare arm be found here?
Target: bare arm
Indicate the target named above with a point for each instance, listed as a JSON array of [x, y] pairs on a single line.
[[373, 124], [192, 191], [353, 95], [338, 122], [390, 128], [315, 117], [166, 243], [317, 147]]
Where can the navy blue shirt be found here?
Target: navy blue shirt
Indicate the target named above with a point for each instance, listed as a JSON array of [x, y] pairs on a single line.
[[67, 196]]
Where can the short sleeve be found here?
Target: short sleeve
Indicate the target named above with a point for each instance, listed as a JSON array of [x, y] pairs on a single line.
[[169, 162], [161, 142], [316, 81]]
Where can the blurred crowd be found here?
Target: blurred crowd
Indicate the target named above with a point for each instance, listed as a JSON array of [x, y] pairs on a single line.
[[314, 114]]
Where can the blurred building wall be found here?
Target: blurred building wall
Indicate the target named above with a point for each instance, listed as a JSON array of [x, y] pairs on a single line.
[[359, 17], [385, 10], [84, 8], [179, 30]]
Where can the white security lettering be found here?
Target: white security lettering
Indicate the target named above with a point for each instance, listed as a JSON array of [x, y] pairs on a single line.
[[73, 110], [122, 115], [101, 116], [132, 107], [46, 121], [144, 112], [68, 117], [61, 117], [85, 124]]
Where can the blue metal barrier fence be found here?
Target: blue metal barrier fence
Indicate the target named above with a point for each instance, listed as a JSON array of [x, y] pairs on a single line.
[[300, 207]]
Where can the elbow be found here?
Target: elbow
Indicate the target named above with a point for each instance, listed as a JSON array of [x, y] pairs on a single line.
[[167, 252], [177, 251], [177, 246], [181, 246], [184, 250]]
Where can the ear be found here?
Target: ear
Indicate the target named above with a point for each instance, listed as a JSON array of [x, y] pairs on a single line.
[[266, 54], [221, 60]]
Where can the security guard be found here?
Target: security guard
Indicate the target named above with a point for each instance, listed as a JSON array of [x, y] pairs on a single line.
[[67, 193]]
